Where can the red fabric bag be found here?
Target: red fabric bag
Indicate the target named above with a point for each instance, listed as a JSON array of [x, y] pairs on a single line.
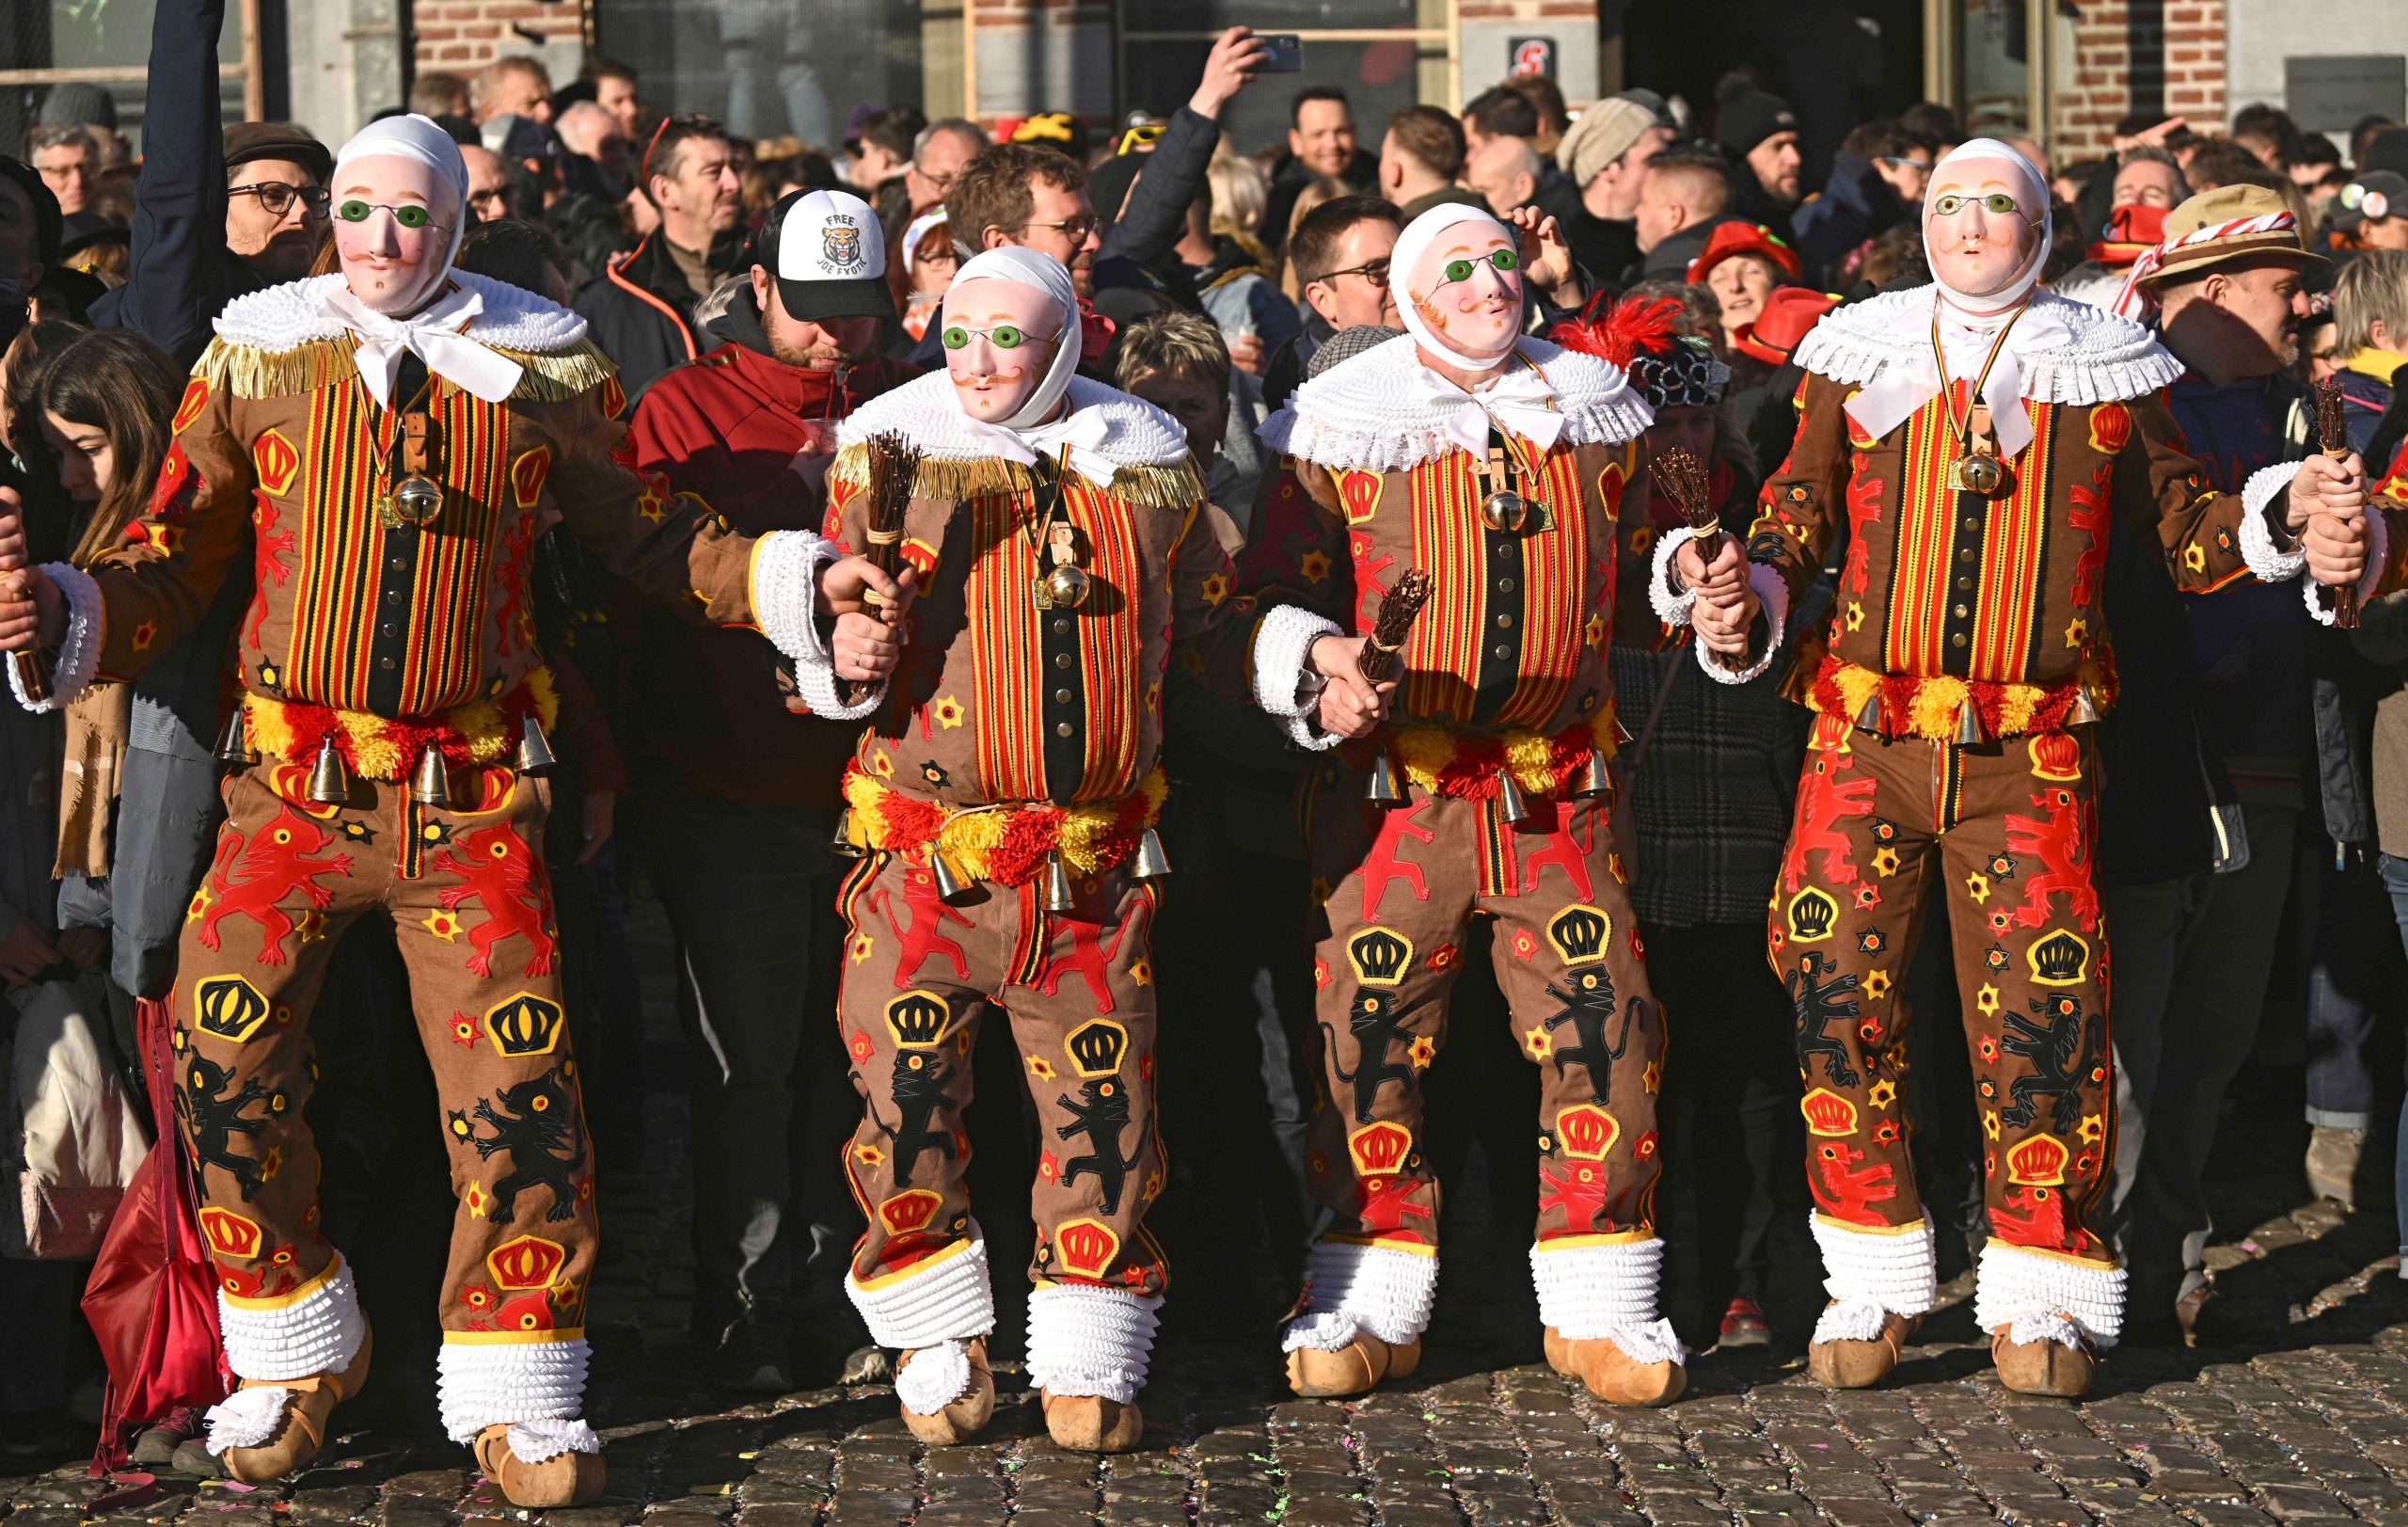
[[153, 1298]]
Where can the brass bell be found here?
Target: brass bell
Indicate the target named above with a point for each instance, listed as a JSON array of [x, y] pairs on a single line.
[[329, 781], [234, 742], [1869, 717], [1981, 474], [1149, 861], [841, 842], [949, 885], [1505, 511], [2084, 712], [1057, 884], [1969, 725], [432, 784], [1067, 585], [1384, 789], [1593, 779], [535, 749], [418, 500], [1509, 799]]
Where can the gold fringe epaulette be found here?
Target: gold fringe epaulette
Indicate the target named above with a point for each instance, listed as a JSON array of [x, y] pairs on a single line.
[[247, 372], [1175, 485]]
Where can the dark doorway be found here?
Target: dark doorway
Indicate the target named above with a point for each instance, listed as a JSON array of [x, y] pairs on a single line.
[[1839, 62]]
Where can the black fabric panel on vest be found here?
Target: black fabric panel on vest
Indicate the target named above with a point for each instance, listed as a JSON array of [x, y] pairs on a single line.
[[388, 645], [1964, 567], [1061, 672], [1500, 619]]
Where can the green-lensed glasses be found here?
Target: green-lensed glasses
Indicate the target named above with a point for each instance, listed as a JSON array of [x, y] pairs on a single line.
[[1004, 336], [1503, 258], [356, 211], [1998, 204]]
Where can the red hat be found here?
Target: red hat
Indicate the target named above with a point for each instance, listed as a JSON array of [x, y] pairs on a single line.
[[1736, 238], [2131, 228], [1788, 312]]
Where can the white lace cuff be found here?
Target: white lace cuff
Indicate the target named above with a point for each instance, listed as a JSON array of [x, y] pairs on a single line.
[[1283, 640], [2036, 1293], [1893, 1270], [535, 1441], [79, 655], [1606, 1292], [1351, 1288], [943, 1298], [317, 1333], [785, 596], [1670, 607], [2269, 562], [1084, 1340], [934, 1376], [1772, 592], [2320, 598], [247, 1418], [481, 1384]]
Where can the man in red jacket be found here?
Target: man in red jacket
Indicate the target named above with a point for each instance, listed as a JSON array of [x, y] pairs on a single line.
[[738, 798]]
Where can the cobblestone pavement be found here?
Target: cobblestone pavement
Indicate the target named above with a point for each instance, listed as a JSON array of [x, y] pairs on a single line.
[[2294, 1410]]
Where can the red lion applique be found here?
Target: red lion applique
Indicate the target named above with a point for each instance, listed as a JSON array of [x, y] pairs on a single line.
[[497, 872], [1822, 801], [1847, 1191], [2089, 514], [269, 548], [274, 862], [2062, 844], [922, 932]]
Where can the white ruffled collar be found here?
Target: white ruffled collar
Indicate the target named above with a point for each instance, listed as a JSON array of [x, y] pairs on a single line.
[[1364, 413], [1134, 432], [2105, 360], [287, 316]]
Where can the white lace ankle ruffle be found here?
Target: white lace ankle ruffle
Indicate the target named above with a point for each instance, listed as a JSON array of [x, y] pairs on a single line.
[[484, 1384], [318, 1333], [2042, 1292], [1085, 1339], [1352, 1289]]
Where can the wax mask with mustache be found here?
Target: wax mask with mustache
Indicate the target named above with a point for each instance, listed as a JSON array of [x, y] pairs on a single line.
[[399, 192], [1002, 339], [1461, 300], [1985, 226]]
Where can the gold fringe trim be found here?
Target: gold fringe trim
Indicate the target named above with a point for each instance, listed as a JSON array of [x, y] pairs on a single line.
[[247, 372], [1089, 835], [377, 751], [1176, 486]]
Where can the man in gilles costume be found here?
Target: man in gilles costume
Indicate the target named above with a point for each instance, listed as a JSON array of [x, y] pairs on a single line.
[[1979, 442], [375, 445], [1495, 463], [1003, 797]]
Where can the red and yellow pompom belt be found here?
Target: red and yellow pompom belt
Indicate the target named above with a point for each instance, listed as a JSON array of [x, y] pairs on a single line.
[[1007, 845], [384, 748], [1466, 764], [1933, 709]]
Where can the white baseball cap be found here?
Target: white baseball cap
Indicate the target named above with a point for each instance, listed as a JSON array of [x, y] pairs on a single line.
[[831, 256]]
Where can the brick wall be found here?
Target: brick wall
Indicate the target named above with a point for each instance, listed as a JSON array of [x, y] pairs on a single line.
[[463, 36], [2158, 55]]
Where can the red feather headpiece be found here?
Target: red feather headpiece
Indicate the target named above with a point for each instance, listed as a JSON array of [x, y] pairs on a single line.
[[1621, 331]]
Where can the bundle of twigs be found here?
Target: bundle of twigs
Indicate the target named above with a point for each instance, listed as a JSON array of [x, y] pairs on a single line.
[[892, 464], [1400, 607], [1682, 478], [2333, 437]]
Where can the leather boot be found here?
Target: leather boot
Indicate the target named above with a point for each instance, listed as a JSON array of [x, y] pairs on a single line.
[[1853, 1364], [1356, 1368], [306, 1410], [2046, 1367], [964, 1418], [562, 1479], [1090, 1423]]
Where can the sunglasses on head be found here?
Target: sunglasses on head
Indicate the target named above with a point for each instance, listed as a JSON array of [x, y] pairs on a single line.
[[1998, 203], [356, 211], [1502, 259]]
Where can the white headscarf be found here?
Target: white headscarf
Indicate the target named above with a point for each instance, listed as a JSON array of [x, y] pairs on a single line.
[[1083, 432], [434, 332], [1969, 324], [1519, 398]]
